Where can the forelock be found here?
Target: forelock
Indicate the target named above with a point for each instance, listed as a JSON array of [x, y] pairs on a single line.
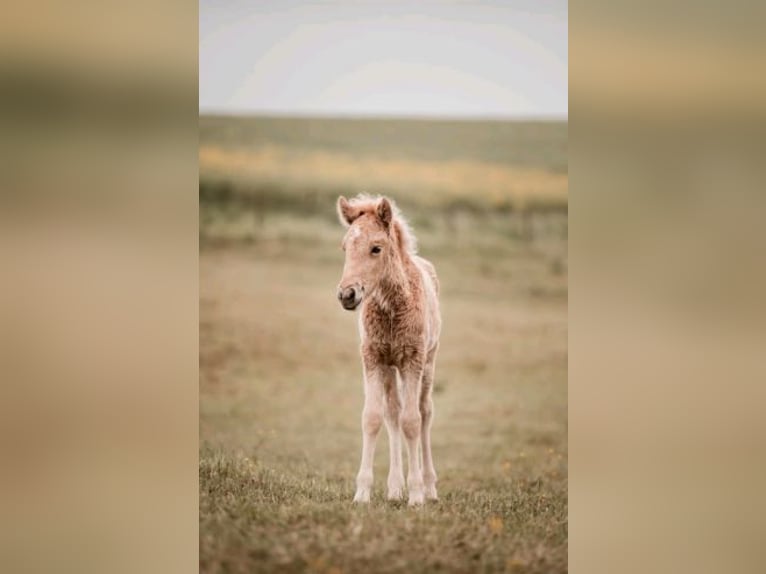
[[367, 204]]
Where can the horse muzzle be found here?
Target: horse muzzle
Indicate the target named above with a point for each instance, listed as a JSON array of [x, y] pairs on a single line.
[[350, 297]]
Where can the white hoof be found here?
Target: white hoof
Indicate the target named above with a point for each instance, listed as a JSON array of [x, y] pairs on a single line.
[[362, 495], [395, 493], [431, 493], [416, 498]]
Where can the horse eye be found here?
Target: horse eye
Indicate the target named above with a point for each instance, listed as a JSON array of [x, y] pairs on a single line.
[[375, 250]]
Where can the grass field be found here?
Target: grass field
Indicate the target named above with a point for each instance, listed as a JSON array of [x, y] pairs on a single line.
[[280, 375], [487, 166]]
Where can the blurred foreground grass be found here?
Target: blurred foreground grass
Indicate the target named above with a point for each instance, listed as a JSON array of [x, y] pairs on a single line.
[[280, 375]]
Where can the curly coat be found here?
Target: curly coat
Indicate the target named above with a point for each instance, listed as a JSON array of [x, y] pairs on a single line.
[[399, 324]]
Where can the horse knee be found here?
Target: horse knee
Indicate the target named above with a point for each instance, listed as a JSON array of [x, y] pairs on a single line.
[[391, 413], [371, 421], [411, 424]]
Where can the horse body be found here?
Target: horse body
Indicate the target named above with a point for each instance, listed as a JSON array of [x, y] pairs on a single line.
[[399, 324]]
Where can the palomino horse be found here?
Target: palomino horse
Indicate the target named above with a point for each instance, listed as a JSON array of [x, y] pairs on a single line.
[[399, 325]]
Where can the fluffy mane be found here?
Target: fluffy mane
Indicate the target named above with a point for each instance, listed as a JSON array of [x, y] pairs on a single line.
[[364, 203]]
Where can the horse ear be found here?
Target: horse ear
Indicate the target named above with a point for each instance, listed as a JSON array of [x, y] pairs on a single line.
[[384, 211], [346, 213]]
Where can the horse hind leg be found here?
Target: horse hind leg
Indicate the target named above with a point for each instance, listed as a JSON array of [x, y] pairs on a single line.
[[411, 425], [427, 413]]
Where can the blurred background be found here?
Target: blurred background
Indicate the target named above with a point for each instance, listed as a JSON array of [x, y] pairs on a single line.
[[459, 113], [98, 303], [101, 256]]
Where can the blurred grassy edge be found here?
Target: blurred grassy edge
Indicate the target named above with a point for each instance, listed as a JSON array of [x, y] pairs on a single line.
[[667, 318], [99, 297]]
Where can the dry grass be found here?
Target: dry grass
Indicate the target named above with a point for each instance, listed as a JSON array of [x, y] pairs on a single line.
[[437, 182], [280, 374], [280, 401]]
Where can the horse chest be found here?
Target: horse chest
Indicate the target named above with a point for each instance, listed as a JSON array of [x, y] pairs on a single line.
[[389, 337]]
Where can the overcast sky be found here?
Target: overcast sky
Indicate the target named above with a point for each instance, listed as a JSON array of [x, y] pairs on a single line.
[[492, 59]]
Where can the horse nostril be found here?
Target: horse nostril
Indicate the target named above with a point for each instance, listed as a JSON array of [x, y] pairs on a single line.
[[350, 295]]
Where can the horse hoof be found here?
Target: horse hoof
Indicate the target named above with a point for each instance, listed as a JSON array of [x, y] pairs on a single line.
[[416, 498], [431, 493], [395, 494], [362, 496]]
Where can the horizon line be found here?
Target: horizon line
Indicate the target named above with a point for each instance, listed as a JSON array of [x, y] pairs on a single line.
[[302, 114]]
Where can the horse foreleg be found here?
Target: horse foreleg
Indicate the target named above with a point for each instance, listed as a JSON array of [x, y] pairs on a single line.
[[372, 419], [391, 414]]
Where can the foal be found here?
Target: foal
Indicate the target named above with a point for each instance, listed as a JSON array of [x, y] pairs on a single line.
[[399, 325]]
